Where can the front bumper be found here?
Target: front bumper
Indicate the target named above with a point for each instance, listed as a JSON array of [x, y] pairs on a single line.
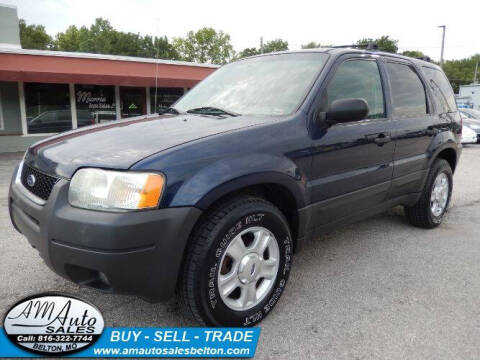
[[136, 253]]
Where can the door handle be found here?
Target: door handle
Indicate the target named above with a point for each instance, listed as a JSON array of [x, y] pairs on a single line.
[[382, 139]]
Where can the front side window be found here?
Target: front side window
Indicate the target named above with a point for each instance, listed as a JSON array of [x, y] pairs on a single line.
[[441, 88], [357, 79], [408, 94], [265, 85]]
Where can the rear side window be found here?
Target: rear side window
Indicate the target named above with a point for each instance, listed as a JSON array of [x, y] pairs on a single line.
[[408, 94], [358, 79], [442, 90]]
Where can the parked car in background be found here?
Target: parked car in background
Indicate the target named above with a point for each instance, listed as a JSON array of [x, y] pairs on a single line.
[[471, 113], [53, 121], [469, 136], [471, 123], [213, 198], [104, 116]]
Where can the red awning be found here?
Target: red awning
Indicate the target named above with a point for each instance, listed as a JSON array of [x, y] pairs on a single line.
[[100, 71]]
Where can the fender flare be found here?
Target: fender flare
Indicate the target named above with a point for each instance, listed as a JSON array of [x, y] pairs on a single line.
[[260, 178], [449, 144], [228, 175]]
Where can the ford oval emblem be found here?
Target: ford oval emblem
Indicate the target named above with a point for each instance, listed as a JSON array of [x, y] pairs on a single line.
[[31, 180]]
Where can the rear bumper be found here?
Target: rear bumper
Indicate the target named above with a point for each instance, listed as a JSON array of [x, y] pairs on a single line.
[[136, 253]]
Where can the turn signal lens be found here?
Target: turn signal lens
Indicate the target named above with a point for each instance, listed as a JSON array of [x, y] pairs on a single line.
[[151, 191], [115, 190]]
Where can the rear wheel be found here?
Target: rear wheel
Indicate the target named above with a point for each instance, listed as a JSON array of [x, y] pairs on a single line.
[[429, 210], [237, 263]]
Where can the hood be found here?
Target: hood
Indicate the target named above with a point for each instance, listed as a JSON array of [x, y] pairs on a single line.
[[121, 144]]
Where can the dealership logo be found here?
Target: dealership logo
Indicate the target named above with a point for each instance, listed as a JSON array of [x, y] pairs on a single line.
[[53, 324], [86, 97], [31, 180]]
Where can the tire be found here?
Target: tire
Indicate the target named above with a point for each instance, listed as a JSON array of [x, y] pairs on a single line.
[[421, 214], [208, 261]]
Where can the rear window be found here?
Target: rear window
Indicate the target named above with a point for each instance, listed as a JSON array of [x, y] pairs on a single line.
[[441, 88], [408, 94]]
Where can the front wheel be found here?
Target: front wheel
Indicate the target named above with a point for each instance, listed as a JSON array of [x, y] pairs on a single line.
[[237, 263], [429, 210]]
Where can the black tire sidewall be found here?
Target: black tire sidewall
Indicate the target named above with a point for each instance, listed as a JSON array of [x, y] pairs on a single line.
[[239, 220]]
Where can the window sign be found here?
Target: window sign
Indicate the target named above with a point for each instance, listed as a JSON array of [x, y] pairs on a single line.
[[133, 101], [95, 104], [166, 97]]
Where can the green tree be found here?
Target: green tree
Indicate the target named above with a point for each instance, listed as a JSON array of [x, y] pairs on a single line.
[[413, 53], [275, 45], [68, 40], [248, 52], [98, 39], [34, 36], [205, 46], [315, 45], [271, 46], [102, 38], [461, 72], [384, 43], [311, 45]]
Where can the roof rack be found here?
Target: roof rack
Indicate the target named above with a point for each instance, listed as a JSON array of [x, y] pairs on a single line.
[[369, 46]]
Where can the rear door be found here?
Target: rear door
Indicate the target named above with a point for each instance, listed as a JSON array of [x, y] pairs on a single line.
[[352, 161], [415, 125]]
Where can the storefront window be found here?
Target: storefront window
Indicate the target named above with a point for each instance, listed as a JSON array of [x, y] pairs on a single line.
[[48, 108], [133, 101], [166, 97], [95, 104]]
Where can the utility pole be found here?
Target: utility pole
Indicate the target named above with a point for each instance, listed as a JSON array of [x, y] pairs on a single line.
[[261, 45], [443, 43], [475, 75]]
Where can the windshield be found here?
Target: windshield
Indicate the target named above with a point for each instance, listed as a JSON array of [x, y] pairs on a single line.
[[265, 85]]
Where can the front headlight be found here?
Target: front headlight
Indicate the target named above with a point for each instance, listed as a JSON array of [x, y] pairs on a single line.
[[115, 190]]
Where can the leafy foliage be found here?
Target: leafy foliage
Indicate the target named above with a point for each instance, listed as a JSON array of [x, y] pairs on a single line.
[[34, 37], [102, 38], [248, 52], [205, 46], [271, 46], [275, 45], [461, 72], [413, 53], [311, 45], [384, 43]]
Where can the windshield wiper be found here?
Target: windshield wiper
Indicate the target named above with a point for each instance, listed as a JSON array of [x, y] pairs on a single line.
[[210, 110], [171, 110]]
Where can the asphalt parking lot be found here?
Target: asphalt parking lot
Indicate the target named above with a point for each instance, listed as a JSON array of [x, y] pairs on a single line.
[[379, 289]]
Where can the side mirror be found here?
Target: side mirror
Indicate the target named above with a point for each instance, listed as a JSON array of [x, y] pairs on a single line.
[[344, 110]]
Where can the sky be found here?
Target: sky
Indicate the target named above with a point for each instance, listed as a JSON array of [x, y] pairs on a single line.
[[413, 23]]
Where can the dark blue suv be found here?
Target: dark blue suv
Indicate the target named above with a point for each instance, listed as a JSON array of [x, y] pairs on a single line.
[[213, 198]]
